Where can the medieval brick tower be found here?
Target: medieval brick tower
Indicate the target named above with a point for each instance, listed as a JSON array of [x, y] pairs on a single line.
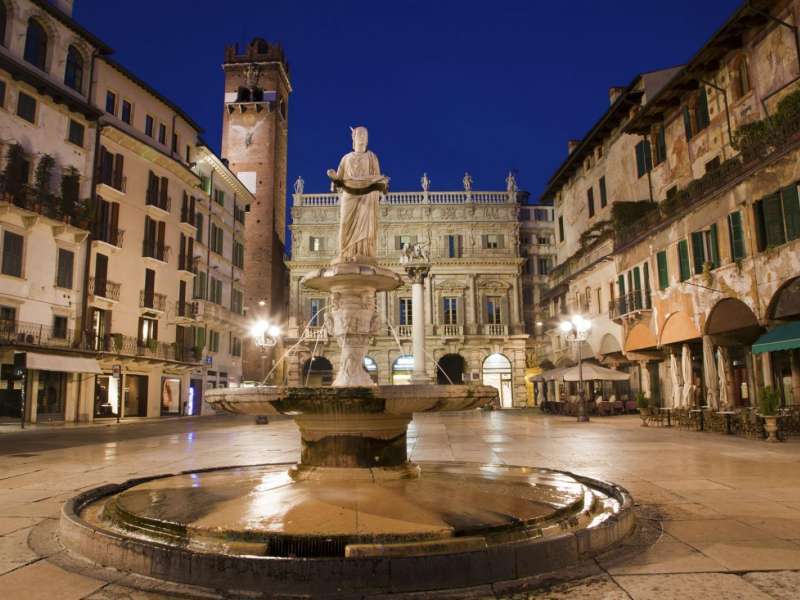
[[254, 141]]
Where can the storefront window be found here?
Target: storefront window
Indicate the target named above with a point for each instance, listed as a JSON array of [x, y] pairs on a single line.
[[135, 396], [106, 397], [50, 396], [170, 396]]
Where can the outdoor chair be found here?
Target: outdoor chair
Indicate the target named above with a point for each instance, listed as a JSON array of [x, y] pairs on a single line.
[[631, 407]]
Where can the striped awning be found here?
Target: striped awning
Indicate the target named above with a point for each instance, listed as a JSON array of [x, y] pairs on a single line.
[[782, 337]]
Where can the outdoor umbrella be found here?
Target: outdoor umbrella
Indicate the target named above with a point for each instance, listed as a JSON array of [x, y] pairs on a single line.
[[686, 367], [676, 380], [593, 372], [723, 379], [710, 373]]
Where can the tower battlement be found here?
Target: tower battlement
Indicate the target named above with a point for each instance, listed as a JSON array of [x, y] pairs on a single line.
[[258, 50]]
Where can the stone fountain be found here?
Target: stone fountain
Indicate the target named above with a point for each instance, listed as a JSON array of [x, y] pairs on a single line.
[[354, 516]]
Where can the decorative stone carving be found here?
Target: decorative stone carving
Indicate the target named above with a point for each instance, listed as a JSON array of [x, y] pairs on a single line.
[[425, 182], [511, 183], [299, 185], [467, 181]]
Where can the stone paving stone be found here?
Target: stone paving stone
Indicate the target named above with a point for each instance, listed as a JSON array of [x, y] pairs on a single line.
[[780, 585], [713, 530], [594, 588], [753, 555], [12, 524], [44, 581], [14, 548], [685, 510], [785, 529], [689, 485], [690, 585], [663, 557]]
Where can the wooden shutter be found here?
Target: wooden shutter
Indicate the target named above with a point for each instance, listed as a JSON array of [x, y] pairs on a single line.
[[115, 224], [687, 123], [663, 271], [182, 248], [791, 211], [701, 110], [698, 251], [683, 260], [149, 286], [119, 162], [714, 243], [164, 192], [161, 231], [736, 236], [603, 192], [621, 285], [773, 220]]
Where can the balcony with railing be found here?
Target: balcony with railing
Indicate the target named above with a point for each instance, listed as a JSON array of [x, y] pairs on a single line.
[[188, 263], [315, 333], [495, 330], [186, 310], [421, 197], [152, 300], [451, 331], [35, 334], [113, 179], [110, 235], [125, 345], [629, 304], [155, 200], [155, 250], [188, 215], [403, 331], [104, 288]]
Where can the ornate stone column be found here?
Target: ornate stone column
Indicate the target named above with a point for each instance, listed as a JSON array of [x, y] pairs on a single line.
[[417, 273]]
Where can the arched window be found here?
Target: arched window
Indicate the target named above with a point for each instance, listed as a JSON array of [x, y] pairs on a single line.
[[741, 77], [3, 19], [73, 76], [497, 373], [35, 44]]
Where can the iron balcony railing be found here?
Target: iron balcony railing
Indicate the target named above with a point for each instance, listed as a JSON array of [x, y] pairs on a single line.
[[187, 215], [158, 200], [125, 345], [151, 249], [149, 299], [104, 288], [111, 235], [187, 310], [633, 302], [35, 334], [188, 263]]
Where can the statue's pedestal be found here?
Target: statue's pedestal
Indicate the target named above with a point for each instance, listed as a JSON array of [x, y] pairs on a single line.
[[352, 318]]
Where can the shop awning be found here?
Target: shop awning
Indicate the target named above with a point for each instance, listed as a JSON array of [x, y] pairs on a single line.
[[551, 375], [65, 364], [783, 337], [592, 372]]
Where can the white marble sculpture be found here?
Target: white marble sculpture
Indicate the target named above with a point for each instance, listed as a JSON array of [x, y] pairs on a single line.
[[511, 183], [425, 182], [467, 182], [359, 183], [299, 185]]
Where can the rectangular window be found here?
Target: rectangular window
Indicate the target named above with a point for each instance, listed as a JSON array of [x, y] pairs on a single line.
[[236, 346], [736, 235], [683, 260], [405, 241], [450, 311], [76, 133], [406, 315], [215, 290], [149, 123], [455, 247], [769, 222], [644, 160], [213, 340], [12, 254], [687, 123], [148, 330], [219, 197], [162, 134], [560, 228], [791, 211], [238, 254], [200, 286], [127, 112], [493, 241], [590, 201], [198, 222], [217, 239], [111, 103], [315, 317], [237, 301], [702, 118], [315, 244], [493, 311], [26, 107], [66, 262], [603, 192], [60, 324], [661, 145], [698, 251], [543, 265], [174, 143]]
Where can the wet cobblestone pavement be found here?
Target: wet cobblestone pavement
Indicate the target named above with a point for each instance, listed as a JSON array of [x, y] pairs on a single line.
[[718, 517]]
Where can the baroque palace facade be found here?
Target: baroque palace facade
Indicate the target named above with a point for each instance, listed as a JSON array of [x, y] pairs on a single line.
[[121, 235], [474, 320], [698, 248]]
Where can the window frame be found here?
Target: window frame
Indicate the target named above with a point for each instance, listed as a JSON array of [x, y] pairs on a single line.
[[35, 101], [109, 94], [83, 133]]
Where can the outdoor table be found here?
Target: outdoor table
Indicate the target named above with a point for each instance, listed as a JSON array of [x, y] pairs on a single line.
[[728, 416], [669, 415], [701, 422]]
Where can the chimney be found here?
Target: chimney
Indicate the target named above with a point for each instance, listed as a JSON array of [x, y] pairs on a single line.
[[571, 145], [614, 93]]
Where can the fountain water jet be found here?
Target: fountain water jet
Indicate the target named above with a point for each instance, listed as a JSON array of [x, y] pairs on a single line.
[[354, 515]]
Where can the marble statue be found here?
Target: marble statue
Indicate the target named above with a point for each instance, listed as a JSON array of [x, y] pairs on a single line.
[[425, 182], [359, 182], [467, 182], [299, 185], [511, 183]]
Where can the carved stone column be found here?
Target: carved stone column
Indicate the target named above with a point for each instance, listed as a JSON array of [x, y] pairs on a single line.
[[417, 274]]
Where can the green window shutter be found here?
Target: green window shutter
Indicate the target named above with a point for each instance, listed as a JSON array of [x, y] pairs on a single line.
[[683, 260], [637, 280], [698, 251], [561, 229], [646, 276], [639, 160], [621, 285], [714, 246], [791, 211], [687, 122], [773, 220], [663, 271], [661, 145], [736, 236], [648, 156], [761, 229], [702, 118]]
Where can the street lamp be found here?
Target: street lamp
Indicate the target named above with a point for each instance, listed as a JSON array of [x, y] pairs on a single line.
[[265, 334], [577, 330]]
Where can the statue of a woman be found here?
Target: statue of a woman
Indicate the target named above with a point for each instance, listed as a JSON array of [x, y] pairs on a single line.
[[359, 183]]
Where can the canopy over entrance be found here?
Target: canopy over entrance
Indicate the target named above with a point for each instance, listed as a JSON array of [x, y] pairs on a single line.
[[783, 337], [592, 372], [65, 364]]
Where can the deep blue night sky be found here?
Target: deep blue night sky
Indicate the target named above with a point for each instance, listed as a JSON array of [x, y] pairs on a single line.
[[443, 87]]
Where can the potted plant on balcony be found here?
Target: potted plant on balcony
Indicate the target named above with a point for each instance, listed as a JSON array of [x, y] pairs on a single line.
[[643, 404], [768, 410], [152, 345]]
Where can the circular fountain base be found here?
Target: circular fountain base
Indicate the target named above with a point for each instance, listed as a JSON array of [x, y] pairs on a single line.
[[259, 529]]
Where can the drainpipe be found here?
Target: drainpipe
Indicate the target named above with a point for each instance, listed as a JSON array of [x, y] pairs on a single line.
[[649, 175], [93, 196], [727, 110]]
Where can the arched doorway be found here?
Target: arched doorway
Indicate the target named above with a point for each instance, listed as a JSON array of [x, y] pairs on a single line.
[[317, 372], [781, 351], [402, 369], [371, 367], [497, 373], [450, 369]]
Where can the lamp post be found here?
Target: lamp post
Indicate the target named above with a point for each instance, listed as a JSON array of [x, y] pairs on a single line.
[[577, 330], [265, 335]]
